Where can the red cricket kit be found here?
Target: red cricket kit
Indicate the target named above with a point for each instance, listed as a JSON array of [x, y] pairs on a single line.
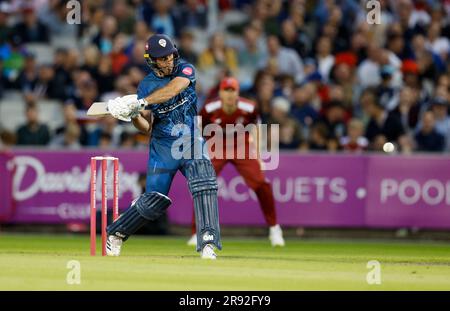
[[240, 150], [236, 140]]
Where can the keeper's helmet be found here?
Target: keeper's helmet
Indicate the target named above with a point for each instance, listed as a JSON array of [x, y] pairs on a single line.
[[159, 45]]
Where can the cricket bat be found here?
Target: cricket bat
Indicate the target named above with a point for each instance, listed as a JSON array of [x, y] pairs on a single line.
[[98, 109]]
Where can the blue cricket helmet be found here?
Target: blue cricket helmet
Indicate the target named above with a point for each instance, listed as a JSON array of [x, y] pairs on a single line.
[[159, 45]]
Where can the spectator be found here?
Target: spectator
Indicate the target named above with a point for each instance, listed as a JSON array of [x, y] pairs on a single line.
[[334, 119], [54, 16], [46, 86], [427, 138], [218, 54], [5, 29], [124, 15], [381, 123], [91, 55], [7, 139], [186, 48], [302, 108], [162, 20], [266, 12], [368, 70], [192, 14], [105, 141], [31, 29], [86, 94], [68, 139], [410, 70], [105, 75], [358, 45], [396, 44], [290, 130], [387, 94], [318, 137], [122, 86], [436, 43], [411, 20], [343, 73], [127, 140], [33, 132], [290, 38], [429, 63], [325, 60], [3, 81], [250, 54], [118, 56], [135, 74], [408, 108], [141, 31], [264, 88], [29, 74], [71, 118], [62, 67], [136, 60], [439, 108], [285, 60], [354, 141], [105, 38], [106, 134]]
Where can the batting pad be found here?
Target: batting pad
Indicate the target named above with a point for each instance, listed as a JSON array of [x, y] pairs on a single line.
[[149, 206], [203, 186]]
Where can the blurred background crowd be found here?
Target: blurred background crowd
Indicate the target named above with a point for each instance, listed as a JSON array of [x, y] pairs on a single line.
[[331, 80]]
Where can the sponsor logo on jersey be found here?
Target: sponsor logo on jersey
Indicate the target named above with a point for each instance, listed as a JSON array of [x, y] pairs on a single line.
[[172, 107], [187, 71]]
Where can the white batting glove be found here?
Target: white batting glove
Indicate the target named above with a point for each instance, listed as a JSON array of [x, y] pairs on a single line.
[[117, 109], [136, 107], [126, 107]]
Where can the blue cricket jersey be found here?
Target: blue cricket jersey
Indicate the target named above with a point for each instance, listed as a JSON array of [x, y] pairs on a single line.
[[181, 109]]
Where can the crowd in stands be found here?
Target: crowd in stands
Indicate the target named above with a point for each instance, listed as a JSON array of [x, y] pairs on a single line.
[[318, 68]]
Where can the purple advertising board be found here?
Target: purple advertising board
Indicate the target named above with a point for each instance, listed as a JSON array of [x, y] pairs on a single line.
[[309, 190], [53, 186], [332, 190], [408, 191], [6, 200]]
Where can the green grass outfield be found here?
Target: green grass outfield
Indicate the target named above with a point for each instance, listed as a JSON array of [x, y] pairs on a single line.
[[39, 262]]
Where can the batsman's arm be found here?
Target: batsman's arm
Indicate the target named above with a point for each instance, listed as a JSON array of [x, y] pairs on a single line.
[[172, 89], [143, 122]]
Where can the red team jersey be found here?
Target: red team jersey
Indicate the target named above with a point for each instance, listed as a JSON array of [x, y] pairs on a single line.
[[245, 114]]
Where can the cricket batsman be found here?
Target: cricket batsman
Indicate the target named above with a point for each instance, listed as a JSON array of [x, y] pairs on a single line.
[[231, 109], [168, 91]]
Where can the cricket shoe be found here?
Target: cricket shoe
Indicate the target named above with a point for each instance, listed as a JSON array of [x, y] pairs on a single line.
[[113, 245], [276, 236], [208, 252], [193, 240]]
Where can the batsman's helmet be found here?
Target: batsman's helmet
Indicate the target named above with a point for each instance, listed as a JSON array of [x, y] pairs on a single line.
[[159, 45]]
